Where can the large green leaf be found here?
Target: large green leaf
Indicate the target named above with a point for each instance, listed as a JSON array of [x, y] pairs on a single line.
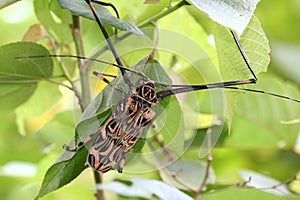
[[18, 77], [62, 173], [234, 14], [29, 70], [231, 63], [47, 93], [13, 95], [58, 130], [80, 7], [253, 42], [259, 118]]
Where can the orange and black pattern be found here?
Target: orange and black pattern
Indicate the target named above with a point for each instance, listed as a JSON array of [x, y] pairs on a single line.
[[123, 129]]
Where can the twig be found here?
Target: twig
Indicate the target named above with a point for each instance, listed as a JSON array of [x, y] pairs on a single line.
[[294, 178], [178, 179], [169, 153], [98, 180], [59, 83], [244, 183], [209, 160], [83, 70], [275, 186]]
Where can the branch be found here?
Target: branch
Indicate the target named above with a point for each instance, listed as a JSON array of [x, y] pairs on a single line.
[[83, 71], [98, 180], [294, 178]]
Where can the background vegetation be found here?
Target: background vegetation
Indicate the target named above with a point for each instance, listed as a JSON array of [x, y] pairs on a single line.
[[39, 112]]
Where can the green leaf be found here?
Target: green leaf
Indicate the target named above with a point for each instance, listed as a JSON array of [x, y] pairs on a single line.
[[71, 162], [140, 188], [13, 95], [13, 70], [18, 77], [255, 45], [170, 122], [58, 130], [169, 119], [63, 172], [47, 93], [231, 63], [205, 120], [234, 14], [81, 8], [257, 123]]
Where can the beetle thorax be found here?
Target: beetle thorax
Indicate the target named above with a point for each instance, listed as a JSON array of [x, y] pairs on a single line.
[[146, 91]]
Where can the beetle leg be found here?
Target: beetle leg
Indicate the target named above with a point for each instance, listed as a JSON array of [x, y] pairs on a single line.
[[79, 145], [121, 164]]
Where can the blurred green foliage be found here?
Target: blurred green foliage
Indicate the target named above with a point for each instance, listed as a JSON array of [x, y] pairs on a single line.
[[32, 134]]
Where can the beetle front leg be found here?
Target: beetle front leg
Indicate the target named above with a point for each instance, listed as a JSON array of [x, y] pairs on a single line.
[[79, 145]]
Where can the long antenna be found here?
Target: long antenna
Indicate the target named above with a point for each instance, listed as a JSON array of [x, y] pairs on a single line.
[[243, 54], [111, 46], [184, 88], [110, 5], [176, 88], [87, 58]]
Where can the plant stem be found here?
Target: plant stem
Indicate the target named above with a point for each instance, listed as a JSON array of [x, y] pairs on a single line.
[[85, 97], [98, 179], [83, 71]]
